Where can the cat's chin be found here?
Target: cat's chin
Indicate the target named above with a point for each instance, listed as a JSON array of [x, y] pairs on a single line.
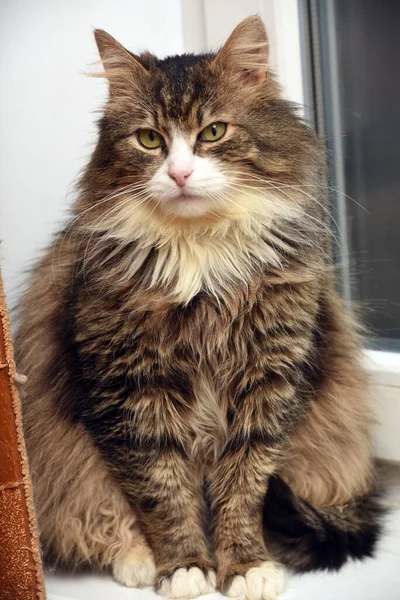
[[188, 206]]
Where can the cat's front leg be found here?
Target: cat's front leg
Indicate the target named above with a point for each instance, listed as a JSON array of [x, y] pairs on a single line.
[[142, 437], [237, 488], [238, 484]]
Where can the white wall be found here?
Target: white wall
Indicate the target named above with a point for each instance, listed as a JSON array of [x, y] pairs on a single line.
[[208, 23], [47, 106]]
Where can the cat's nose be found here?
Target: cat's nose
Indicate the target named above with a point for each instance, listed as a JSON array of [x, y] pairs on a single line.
[[180, 175]]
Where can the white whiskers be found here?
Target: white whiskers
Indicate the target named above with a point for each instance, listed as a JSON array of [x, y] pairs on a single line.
[[257, 222]]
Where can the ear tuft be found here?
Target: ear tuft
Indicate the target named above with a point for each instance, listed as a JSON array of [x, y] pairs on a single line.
[[105, 42], [246, 51], [121, 68]]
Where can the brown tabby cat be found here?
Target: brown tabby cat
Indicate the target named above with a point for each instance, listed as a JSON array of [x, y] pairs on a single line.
[[186, 351]]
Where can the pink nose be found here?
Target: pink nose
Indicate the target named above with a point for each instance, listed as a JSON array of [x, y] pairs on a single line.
[[180, 175]]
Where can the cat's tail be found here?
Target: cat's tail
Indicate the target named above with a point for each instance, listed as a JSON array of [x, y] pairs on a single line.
[[307, 539]]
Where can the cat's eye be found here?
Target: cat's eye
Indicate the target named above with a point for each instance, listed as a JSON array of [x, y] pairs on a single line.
[[213, 132], [150, 139]]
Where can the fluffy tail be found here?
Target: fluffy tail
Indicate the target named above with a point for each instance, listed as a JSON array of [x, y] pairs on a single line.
[[307, 539]]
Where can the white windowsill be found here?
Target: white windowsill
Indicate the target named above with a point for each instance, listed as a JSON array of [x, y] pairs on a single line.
[[384, 367]]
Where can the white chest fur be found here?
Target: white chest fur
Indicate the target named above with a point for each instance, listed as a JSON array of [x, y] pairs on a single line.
[[209, 256]]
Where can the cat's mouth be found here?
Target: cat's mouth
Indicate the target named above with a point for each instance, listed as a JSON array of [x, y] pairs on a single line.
[[187, 204], [186, 196]]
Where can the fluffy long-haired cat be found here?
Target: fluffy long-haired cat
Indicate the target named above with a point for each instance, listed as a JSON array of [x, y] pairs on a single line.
[[195, 412]]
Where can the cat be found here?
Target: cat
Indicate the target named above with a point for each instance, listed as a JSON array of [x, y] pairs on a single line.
[[196, 414]]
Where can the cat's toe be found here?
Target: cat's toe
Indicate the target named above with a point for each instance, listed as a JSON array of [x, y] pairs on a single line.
[[135, 568], [187, 583], [264, 582]]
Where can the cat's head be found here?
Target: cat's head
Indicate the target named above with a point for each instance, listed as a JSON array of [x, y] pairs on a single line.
[[193, 137]]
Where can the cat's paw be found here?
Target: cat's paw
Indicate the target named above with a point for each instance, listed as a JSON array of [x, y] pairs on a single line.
[[135, 568], [187, 583], [264, 582]]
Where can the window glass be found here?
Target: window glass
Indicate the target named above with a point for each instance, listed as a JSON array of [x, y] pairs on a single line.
[[359, 74]]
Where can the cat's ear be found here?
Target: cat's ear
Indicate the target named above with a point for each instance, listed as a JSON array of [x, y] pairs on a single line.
[[122, 69], [245, 53]]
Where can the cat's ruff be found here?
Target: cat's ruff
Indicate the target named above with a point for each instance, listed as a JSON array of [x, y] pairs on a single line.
[[212, 256]]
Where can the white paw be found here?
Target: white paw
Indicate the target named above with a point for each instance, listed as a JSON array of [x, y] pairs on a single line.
[[136, 568], [264, 582], [187, 583]]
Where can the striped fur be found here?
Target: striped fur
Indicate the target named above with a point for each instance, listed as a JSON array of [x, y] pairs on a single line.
[[177, 359]]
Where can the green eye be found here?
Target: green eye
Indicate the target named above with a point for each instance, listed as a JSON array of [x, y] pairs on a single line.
[[213, 132], [150, 139]]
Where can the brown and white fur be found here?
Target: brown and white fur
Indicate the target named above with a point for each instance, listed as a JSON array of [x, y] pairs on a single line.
[[192, 372]]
